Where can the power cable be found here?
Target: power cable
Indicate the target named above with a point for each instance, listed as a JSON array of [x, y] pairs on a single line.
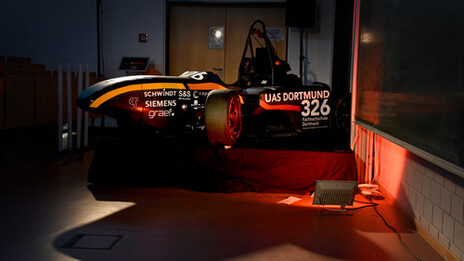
[[374, 205]]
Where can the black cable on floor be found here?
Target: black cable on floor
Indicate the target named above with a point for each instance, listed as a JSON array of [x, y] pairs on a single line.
[[366, 206], [374, 205], [370, 204]]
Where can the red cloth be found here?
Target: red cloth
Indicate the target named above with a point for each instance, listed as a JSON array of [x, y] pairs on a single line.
[[197, 165], [280, 170]]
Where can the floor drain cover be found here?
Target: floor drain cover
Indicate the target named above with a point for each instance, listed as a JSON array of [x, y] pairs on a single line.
[[92, 241]]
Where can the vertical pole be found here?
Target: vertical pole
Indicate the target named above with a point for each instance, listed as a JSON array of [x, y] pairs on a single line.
[[60, 108], [69, 101], [79, 111], [302, 57], [99, 69], [3, 125], [354, 65], [86, 114]]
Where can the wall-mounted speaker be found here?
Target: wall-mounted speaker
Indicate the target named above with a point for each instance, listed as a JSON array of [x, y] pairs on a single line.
[[300, 13]]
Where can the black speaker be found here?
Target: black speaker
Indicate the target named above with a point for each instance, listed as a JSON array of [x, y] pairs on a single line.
[[300, 13]]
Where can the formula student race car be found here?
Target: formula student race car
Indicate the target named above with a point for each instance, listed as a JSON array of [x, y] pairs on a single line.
[[264, 98]]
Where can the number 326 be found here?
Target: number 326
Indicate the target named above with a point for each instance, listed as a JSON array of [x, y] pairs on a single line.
[[317, 108]]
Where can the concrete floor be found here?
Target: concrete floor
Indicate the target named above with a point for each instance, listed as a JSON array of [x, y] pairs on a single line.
[[50, 213]]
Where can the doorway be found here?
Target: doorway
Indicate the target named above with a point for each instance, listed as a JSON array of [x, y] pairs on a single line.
[[190, 45]]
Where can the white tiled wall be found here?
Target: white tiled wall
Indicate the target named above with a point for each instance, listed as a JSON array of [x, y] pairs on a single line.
[[434, 197]]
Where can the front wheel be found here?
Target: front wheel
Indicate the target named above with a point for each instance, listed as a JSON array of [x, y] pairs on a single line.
[[223, 117]]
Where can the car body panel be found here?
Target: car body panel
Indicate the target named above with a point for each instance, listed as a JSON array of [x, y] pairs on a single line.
[[270, 98]]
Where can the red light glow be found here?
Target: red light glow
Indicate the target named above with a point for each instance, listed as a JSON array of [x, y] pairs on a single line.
[[285, 107], [390, 165]]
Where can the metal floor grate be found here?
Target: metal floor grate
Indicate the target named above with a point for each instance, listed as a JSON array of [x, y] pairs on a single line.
[[93, 241]]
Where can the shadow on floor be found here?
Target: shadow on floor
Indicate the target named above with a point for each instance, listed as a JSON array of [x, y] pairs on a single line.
[[178, 224], [48, 202], [188, 215]]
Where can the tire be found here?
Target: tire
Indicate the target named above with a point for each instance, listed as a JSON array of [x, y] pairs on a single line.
[[223, 117]]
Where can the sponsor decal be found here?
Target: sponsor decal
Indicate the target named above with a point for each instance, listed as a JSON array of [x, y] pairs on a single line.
[[185, 95], [160, 113], [133, 102], [160, 103], [312, 105], [159, 93], [296, 96]]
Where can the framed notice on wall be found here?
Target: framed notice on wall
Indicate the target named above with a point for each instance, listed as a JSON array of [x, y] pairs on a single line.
[[275, 33], [134, 64], [216, 37]]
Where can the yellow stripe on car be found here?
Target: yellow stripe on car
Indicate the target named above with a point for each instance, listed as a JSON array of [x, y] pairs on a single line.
[[114, 93], [162, 85], [135, 87], [205, 86]]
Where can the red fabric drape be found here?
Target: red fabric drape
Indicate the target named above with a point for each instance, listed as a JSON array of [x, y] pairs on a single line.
[[280, 170]]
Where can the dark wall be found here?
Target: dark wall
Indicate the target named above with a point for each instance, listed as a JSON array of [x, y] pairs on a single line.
[[341, 71], [411, 73]]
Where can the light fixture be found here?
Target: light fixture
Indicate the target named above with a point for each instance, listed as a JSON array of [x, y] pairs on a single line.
[[216, 37], [335, 192], [218, 33]]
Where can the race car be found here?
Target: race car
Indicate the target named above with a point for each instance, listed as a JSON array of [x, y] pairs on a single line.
[[264, 98]]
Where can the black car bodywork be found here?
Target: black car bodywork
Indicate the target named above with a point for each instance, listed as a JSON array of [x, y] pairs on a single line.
[[264, 98]]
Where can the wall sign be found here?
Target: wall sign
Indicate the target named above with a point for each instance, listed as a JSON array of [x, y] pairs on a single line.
[[216, 37], [275, 33]]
